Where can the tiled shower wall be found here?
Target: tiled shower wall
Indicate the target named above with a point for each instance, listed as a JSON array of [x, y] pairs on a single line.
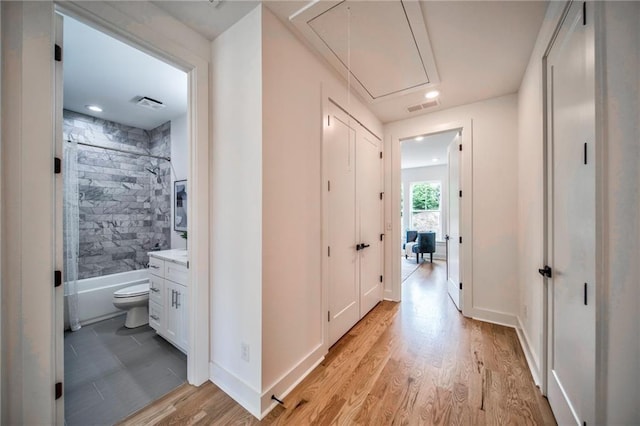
[[123, 199]]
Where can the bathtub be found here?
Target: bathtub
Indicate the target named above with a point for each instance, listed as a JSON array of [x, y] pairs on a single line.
[[95, 295]]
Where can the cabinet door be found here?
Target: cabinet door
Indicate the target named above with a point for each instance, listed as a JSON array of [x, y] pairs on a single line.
[[156, 289], [172, 314], [183, 318], [156, 317]]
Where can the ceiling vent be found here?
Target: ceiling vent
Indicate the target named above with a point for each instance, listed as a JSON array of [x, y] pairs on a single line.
[[424, 105], [150, 103]]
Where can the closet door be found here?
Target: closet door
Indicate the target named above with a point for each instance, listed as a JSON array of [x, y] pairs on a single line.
[[571, 217], [369, 211], [344, 291]]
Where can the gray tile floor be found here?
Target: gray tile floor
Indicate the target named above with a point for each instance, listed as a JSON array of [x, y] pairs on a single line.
[[112, 371]]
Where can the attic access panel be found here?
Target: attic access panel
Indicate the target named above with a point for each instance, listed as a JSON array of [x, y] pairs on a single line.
[[384, 44]]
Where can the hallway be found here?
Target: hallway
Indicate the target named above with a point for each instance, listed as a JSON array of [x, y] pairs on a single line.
[[416, 362]]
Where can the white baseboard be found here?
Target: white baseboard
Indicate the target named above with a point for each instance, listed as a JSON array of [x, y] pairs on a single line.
[[512, 321], [494, 317], [285, 384], [236, 388], [529, 355]]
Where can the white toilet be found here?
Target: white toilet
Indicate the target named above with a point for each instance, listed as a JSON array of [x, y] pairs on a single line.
[[134, 300]]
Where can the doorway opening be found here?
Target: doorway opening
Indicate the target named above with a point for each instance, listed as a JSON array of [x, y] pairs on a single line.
[[123, 120], [429, 211]]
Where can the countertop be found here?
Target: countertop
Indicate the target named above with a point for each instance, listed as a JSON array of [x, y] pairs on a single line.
[[179, 256]]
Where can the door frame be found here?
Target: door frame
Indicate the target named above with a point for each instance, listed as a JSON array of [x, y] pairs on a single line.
[[394, 290], [110, 21], [36, 211]]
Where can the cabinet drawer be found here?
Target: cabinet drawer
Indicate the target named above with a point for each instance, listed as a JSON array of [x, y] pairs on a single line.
[[156, 289], [176, 273], [155, 316], [156, 266]]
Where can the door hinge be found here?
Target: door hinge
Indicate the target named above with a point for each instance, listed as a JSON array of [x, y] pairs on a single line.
[[187, 264], [380, 278], [381, 194], [585, 294], [546, 271], [381, 155], [57, 166], [328, 316], [329, 251], [460, 147], [57, 278], [584, 16], [58, 390], [460, 240], [57, 53], [460, 193], [460, 286], [585, 153], [328, 185], [328, 120], [381, 237]]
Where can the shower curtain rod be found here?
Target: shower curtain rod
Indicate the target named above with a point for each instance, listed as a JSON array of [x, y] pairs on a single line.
[[122, 150]]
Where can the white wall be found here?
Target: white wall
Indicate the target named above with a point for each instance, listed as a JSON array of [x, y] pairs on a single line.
[[236, 182], [618, 232], [425, 174], [494, 134], [180, 168], [531, 197], [294, 81]]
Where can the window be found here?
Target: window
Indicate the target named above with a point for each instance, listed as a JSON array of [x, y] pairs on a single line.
[[425, 207]]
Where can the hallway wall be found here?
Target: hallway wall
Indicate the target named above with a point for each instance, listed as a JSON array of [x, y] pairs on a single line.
[[494, 164]]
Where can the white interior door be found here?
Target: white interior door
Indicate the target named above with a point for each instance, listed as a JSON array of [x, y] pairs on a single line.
[[369, 213], [344, 295], [453, 223], [571, 238]]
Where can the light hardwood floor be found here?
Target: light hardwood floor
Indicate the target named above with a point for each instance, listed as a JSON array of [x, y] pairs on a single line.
[[419, 362]]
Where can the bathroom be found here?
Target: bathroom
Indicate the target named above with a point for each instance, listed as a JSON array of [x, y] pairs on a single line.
[[125, 166]]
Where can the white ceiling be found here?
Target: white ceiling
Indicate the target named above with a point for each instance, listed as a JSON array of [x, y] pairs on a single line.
[[209, 18], [422, 150], [481, 50], [100, 70]]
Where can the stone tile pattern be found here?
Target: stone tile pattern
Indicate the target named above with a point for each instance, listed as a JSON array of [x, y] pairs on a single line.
[[124, 208]]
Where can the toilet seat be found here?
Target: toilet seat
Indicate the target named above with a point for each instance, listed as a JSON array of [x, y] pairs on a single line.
[[132, 291]]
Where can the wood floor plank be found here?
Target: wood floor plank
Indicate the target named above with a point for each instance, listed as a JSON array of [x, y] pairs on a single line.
[[419, 362]]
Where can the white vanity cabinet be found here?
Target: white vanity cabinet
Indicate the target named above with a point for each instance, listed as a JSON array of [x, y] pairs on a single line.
[[168, 296]]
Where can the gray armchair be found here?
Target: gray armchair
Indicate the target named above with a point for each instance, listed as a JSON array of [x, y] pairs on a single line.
[[426, 244], [411, 237]]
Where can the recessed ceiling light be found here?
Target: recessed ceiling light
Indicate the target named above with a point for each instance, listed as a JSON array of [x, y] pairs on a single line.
[[94, 108], [432, 94], [419, 138], [434, 160]]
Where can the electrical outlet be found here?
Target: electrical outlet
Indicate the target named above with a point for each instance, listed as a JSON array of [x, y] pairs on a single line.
[[244, 351]]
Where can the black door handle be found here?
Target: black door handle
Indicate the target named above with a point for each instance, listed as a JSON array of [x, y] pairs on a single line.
[[364, 246], [446, 237], [358, 247], [545, 272]]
